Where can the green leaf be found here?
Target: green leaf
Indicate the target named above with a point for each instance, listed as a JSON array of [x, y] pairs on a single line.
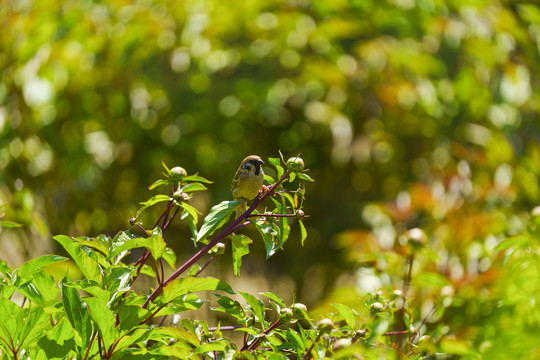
[[519, 241], [426, 279], [177, 333], [304, 176], [9, 224], [274, 161], [129, 316], [219, 215], [275, 298], [189, 285], [180, 304], [77, 313], [280, 171], [210, 347], [170, 257], [155, 244], [346, 313], [156, 199], [230, 306], [58, 342], [28, 269], [152, 201], [256, 305], [103, 318], [191, 187], [41, 289], [12, 317], [197, 178], [240, 247], [158, 183], [292, 176], [90, 287], [86, 264], [268, 232], [117, 281], [303, 232], [269, 179]]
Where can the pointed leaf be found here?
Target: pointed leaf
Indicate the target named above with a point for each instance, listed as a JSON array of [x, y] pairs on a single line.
[[218, 215], [189, 285], [157, 183], [346, 313], [27, 270], [268, 233], [303, 232], [240, 247], [86, 264], [197, 178], [155, 244], [77, 313], [191, 187], [256, 305], [103, 318], [9, 224]]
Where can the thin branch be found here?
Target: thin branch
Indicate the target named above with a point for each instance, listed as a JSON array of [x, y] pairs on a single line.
[[255, 343], [271, 215], [205, 265], [307, 355]]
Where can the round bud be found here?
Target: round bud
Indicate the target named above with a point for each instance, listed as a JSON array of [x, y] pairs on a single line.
[[286, 314], [416, 237], [377, 307], [295, 164], [180, 195], [132, 221], [325, 326], [219, 248], [300, 215], [341, 343], [177, 173]]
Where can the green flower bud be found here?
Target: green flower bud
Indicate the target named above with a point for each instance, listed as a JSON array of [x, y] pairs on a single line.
[[286, 314], [377, 307], [181, 196], [296, 164], [416, 237], [341, 343], [177, 173], [325, 326], [219, 249]]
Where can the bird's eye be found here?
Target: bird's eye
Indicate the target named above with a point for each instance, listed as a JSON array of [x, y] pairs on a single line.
[[247, 166]]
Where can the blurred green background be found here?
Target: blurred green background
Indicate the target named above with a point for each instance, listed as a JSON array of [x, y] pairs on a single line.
[[409, 113]]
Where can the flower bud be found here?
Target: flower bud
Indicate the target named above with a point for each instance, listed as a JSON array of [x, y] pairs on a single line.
[[416, 237], [299, 310], [295, 164], [219, 248], [300, 215], [377, 307], [325, 326], [177, 173], [180, 195], [286, 314], [341, 343]]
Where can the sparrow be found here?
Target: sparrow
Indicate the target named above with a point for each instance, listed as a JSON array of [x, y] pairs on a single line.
[[247, 181]]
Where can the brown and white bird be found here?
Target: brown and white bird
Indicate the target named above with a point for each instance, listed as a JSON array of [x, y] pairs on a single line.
[[247, 181]]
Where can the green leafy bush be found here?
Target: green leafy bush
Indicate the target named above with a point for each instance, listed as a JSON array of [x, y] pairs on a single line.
[[99, 314]]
